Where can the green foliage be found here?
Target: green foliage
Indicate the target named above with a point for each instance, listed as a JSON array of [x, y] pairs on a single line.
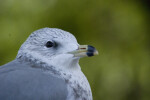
[[118, 29]]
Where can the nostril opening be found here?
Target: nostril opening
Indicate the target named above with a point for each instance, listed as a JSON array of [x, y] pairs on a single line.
[[82, 48], [91, 48]]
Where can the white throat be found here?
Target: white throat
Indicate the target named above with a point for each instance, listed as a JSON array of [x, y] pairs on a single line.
[[68, 61]]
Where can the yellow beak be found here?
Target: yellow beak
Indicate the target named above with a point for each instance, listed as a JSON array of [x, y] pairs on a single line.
[[84, 51]]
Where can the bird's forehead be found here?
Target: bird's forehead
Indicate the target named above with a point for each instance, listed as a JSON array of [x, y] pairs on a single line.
[[52, 33]]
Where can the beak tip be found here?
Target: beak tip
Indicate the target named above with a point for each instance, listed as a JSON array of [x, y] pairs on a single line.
[[96, 52]]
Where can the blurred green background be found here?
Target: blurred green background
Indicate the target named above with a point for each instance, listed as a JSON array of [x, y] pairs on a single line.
[[119, 29]]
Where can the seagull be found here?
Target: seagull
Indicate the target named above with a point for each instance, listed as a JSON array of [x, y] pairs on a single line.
[[46, 68]]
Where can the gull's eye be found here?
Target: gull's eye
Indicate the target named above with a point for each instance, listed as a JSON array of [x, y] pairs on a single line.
[[49, 44]]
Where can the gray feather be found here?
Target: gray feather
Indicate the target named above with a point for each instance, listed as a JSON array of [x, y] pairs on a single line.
[[22, 82]]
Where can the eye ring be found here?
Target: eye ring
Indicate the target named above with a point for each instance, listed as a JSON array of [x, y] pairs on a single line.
[[49, 44]]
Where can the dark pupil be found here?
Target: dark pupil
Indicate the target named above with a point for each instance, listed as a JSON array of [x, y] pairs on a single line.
[[49, 44]]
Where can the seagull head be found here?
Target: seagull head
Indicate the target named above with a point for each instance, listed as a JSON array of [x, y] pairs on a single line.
[[54, 47]]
